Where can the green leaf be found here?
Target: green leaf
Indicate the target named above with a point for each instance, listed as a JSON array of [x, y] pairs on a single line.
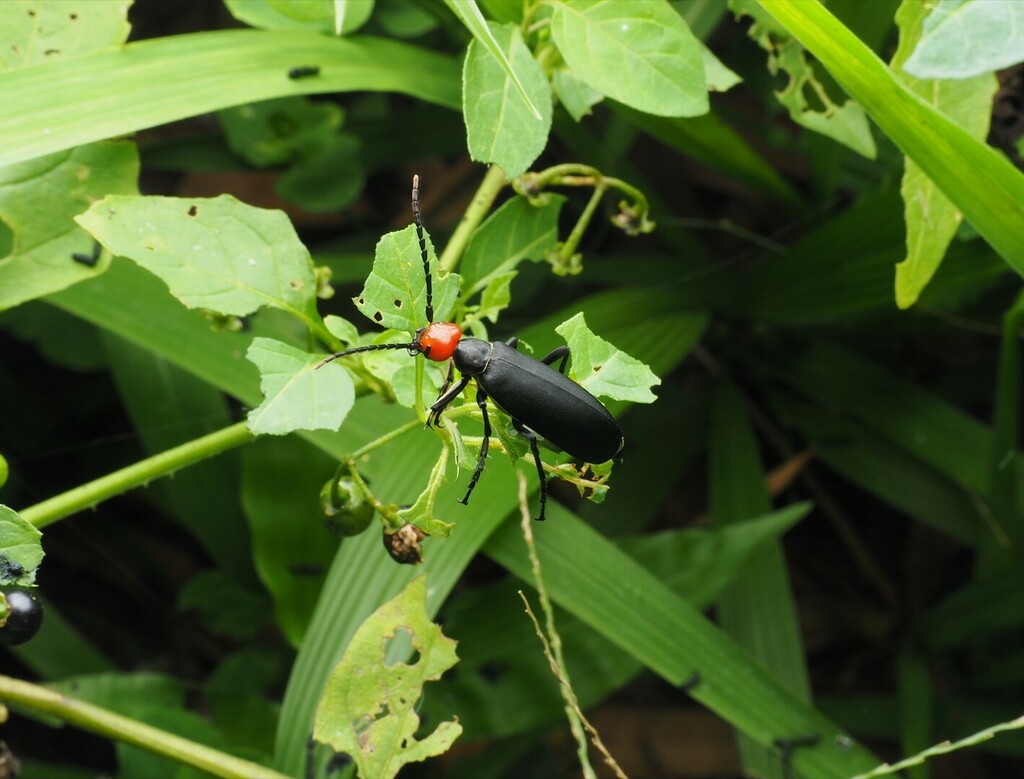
[[280, 490], [38, 33], [41, 261], [219, 253], [469, 14], [979, 180], [757, 608], [395, 294], [576, 97], [280, 131], [515, 232], [116, 91], [932, 220], [295, 396], [602, 369], [846, 123], [313, 15], [328, 179], [497, 295], [640, 53], [20, 549], [500, 128], [421, 512], [368, 709], [963, 38]]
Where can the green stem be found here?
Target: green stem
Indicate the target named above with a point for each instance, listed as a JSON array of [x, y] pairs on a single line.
[[478, 208], [377, 443], [569, 247], [141, 473], [128, 731]]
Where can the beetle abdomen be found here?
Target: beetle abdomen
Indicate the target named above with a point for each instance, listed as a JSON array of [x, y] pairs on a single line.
[[551, 404]]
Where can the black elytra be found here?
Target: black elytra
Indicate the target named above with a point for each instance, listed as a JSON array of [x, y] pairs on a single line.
[[541, 400]]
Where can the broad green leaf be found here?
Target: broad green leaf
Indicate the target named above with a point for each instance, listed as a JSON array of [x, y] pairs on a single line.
[[115, 92], [964, 38], [886, 470], [313, 15], [846, 123], [280, 490], [932, 220], [280, 131], [979, 180], [41, 32], [342, 329], [1006, 478], [640, 53], [222, 605], [368, 709], [326, 180], [500, 128], [504, 683], [404, 20], [516, 231], [469, 14], [395, 294], [718, 77], [497, 295], [20, 549], [219, 253], [295, 396], [757, 608], [46, 239], [630, 605], [602, 369], [403, 381], [129, 694], [576, 97]]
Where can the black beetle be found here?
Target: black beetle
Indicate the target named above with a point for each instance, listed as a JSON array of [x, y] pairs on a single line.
[[539, 399]]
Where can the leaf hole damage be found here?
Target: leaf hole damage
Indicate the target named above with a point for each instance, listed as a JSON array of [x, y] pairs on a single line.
[[51, 52], [295, 284], [192, 210], [400, 645], [73, 16], [398, 303], [377, 316]]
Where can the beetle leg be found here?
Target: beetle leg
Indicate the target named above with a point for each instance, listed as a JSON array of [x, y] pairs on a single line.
[[561, 351], [481, 400], [434, 417], [530, 436]]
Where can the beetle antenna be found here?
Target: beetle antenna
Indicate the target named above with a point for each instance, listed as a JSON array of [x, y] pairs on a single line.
[[413, 347], [423, 244]]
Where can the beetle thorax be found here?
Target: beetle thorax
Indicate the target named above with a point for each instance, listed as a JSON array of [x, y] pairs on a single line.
[[438, 340]]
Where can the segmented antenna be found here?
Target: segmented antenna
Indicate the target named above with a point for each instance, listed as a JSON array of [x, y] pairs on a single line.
[[423, 245], [414, 348]]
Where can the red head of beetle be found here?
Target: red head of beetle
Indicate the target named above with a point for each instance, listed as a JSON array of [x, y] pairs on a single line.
[[438, 340]]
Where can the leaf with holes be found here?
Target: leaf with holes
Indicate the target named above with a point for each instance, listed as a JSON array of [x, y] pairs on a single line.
[[395, 294], [368, 709], [20, 549], [602, 369], [218, 253], [296, 397]]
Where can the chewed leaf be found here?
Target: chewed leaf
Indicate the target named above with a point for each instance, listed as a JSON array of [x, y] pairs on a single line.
[[21, 551], [604, 370], [395, 294], [369, 705], [296, 397], [216, 253]]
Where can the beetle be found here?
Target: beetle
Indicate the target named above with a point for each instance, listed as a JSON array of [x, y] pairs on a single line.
[[540, 400]]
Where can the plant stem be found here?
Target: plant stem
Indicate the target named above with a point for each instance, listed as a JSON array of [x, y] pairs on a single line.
[[478, 208], [136, 475], [128, 731]]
